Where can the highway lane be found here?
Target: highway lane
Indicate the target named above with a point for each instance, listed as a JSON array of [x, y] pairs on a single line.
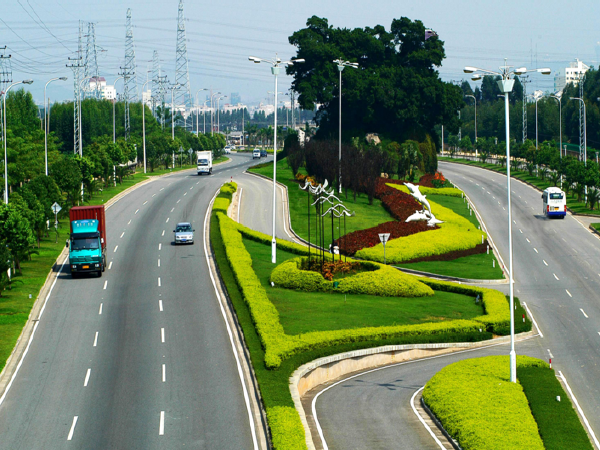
[[139, 358], [556, 274]]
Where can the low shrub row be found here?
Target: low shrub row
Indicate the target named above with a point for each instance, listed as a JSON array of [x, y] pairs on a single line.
[[456, 233], [479, 406], [223, 199], [383, 281]]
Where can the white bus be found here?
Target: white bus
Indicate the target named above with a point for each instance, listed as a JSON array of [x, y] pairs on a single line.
[[554, 202]]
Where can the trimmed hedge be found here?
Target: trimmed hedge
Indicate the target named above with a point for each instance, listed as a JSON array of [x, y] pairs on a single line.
[[450, 192], [287, 431], [384, 281], [479, 406], [223, 199], [456, 233]]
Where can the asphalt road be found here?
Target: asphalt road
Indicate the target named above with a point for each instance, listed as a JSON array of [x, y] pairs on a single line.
[[139, 358], [556, 273]]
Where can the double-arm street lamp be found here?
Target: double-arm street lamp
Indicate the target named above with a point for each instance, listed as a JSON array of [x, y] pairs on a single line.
[[340, 65], [506, 84], [475, 100], [198, 105], [558, 98], [275, 67], [5, 137], [212, 115], [46, 119]]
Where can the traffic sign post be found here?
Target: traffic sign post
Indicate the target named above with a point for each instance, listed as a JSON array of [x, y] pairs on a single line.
[[383, 237], [56, 209]]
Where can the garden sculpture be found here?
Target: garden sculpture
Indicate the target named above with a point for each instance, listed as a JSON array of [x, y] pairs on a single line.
[[426, 213]]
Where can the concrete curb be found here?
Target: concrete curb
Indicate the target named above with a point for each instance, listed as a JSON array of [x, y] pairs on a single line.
[[18, 352], [333, 367]]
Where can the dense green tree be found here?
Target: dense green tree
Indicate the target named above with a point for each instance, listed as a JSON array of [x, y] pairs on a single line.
[[67, 174], [16, 231]]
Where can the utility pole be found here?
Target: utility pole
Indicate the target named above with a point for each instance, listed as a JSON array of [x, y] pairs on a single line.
[[581, 78], [91, 60], [182, 74], [130, 79], [524, 81], [77, 68], [5, 81]]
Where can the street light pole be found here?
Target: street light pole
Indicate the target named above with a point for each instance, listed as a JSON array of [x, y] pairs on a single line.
[[204, 116], [475, 99], [6, 137], [506, 86], [218, 113], [340, 65], [584, 138], [275, 67], [144, 124], [558, 98], [46, 120]]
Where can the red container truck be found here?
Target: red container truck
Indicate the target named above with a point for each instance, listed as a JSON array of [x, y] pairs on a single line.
[[87, 245]]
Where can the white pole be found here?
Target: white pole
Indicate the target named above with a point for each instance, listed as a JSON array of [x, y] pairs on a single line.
[[340, 69], [513, 354], [275, 71], [144, 124]]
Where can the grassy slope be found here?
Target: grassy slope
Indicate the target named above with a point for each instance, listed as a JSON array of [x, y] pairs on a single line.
[[302, 312], [367, 216]]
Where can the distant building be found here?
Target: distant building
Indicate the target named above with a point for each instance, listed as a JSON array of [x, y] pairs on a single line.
[[147, 98], [571, 74], [235, 98]]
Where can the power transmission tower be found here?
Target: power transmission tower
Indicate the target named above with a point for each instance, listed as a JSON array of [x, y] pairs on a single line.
[[91, 61], [129, 77], [158, 91], [5, 81], [182, 77], [77, 68], [581, 116], [524, 80], [162, 82]]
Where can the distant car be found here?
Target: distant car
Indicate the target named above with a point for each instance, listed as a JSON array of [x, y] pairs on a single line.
[[227, 149], [256, 153], [263, 153], [184, 234]]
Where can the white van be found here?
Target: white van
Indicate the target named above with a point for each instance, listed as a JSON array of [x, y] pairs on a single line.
[[256, 153], [554, 202]]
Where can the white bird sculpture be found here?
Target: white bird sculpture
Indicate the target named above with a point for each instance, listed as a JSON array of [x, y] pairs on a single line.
[[417, 216], [432, 220], [418, 196]]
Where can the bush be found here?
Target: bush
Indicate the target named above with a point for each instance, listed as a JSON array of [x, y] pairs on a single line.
[[479, 406], [287, 432]]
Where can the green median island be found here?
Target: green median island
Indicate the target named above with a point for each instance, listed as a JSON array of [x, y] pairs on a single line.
[[482, 410], [301, 309]]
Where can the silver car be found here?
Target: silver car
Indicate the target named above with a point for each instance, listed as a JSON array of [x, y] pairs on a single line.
[[184, 234]]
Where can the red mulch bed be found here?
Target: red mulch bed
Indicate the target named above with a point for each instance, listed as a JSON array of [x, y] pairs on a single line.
[[479, 248]]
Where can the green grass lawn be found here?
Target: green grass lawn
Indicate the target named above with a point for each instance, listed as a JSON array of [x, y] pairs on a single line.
[[476, 267], [367, 216], [303, 312]]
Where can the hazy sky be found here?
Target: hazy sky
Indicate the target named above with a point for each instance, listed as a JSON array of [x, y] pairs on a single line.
[[41, 34]]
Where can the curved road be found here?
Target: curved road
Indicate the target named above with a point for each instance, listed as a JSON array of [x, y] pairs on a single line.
[[139, 358]]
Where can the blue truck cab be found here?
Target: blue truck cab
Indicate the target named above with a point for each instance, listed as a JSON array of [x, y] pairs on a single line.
[[87, 244]]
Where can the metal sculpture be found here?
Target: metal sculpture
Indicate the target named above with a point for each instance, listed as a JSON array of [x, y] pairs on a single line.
[[425, 214]]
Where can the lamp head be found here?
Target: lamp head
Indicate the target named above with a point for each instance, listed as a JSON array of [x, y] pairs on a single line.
[[469, 69], [545, 71], [299, 60], [63, 78], [476, 77], [254, 59], [520, 70], [27, 81]]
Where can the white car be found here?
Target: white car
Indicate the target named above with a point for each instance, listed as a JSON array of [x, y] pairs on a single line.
[[184, 233], [256, 153], [227, 150]]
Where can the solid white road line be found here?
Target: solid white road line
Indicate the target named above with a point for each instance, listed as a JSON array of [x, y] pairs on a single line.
[[162, 335], [412, 404], [160, 306], [163, 233], [115, 250], [555, 276], [159, 247], [158, 281], [122, 234], [110, 265], [230, 333], [87, 377], [533, 319], [105, 283], [100, 310], [161, 426], [159, 262], [72, 430], [586, 316], [569, 293], [96, 339], [581, 413], [164, 373], [239, 203], [545, 262], [167, 220], [145, 202], [137, 211]]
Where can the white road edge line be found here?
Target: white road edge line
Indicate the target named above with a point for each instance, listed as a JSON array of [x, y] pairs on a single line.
[[581, 413], [230, 333], [160, 306], [87, 377], [72, 430], [412, 404], [95, 339], [533, 320], [583, 312], [239, 203], [161, 426]]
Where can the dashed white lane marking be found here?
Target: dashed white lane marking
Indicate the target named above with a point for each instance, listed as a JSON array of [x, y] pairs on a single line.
[[563, 239], [575, 250], [161, 189], [198, 182], [535, 249], [100, 310], [191, 188], [161, 426], [178, 200], [545, 262], [159, 247], [145, 202], [87, 377], [129, 222], [185, 193], [72, 430], [515, 222], [159, 263], [528, 240], [115, 251], [105, 284], [583, 312], [122, 234], [153, 195], [569, 293], [158, 281], [163, 233], [109, 265], [164, 373], [519, 196], [162, 335], [557, 279], [160, 306], [550, 354], [520, 231], [137, 211], [504, 208], [95, 340], [172, 209], [167, 220]]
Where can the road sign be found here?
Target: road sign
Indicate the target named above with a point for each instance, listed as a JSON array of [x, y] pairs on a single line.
[[383, 237], [56, 208]]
